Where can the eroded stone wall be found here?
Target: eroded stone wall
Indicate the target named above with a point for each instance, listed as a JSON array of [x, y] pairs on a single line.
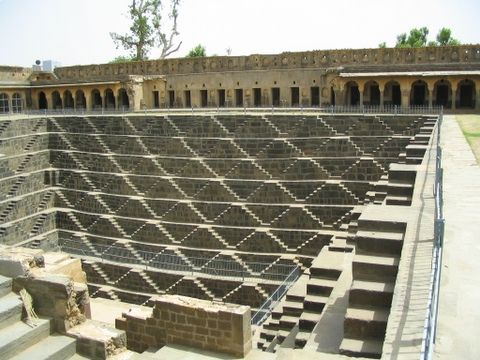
[[165, 202], [180, 320], [309, 59]]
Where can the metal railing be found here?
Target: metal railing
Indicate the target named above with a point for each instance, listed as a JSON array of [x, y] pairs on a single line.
[[264, 311], [212, 266], [430, 328], [347, 109], [386, 109]]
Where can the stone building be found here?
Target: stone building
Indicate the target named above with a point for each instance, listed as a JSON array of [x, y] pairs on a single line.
[[429, 76]]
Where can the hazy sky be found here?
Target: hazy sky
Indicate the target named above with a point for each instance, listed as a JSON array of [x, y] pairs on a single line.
[[77, 31]]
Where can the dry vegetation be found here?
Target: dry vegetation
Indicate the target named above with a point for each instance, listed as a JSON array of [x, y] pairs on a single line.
[[470, 125]]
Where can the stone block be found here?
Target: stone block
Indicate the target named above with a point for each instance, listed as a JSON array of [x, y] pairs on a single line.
[[197, 323]]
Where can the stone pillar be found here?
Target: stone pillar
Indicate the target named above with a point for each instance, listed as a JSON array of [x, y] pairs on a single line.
[[360, 91], [339, 97], [195, 98], [477, 98], [430, 96], [266, 98], [10, 103], [381, 89], [34, 101], [229, 98], [454, 96], [248, 97], [306, 96], [405, 97], [49, 98], [88, 100]]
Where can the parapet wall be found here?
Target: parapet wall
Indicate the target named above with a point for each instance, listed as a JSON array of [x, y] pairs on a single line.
[[14, 73], [181, 320], [464, 54]]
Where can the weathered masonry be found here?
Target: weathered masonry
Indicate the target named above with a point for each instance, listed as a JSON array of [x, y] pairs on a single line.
[[224, 207], [446, 76]]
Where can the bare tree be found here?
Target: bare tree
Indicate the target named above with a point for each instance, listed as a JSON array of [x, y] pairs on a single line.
[[165, 40], [147, 29], [140, 38]]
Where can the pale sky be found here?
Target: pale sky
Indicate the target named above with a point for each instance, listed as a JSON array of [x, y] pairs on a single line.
[[77, 31]]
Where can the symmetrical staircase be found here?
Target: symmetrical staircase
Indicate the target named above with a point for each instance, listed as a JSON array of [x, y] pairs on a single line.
[[375, 266], [294, 318]]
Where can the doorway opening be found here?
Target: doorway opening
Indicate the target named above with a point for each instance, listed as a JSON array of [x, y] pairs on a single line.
[[295, 96], [315, 96], [257, 97], [203, 98], [275, 96], [238, 97]]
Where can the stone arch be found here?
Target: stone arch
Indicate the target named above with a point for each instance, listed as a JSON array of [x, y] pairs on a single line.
[[123, 100], [42, 101], [419, 93], [371, 93], [17, 103], [352, 94], [4, 103], [465, 95], [392, 95], [109, 99], [442, 93], [68, 100], [97, 101], [56, 100], [80, 100]]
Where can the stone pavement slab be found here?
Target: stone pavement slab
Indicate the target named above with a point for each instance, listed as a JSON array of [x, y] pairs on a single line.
[[459, 315]]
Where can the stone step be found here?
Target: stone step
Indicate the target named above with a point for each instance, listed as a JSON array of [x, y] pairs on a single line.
[[379, 242], [277, 312], [54, 347], [379, 225], [416, 150], [301, 339], [98, 340], [324, 273], [79, 357], [320, 286], [399, 200], [5, 285], [291, 308], [400, 189], [370, 293], [295, 297], [422, 139], [315, 303], [268, 335], [361, 348], [365, 323], [282, 335], [308, 320], [426, 129], [20, 336], [402, 173], [273, 324], [414, 160], [10, 310], [287, 322], [375, 267]]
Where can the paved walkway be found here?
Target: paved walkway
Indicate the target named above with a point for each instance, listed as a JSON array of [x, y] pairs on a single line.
[[458, 335]]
